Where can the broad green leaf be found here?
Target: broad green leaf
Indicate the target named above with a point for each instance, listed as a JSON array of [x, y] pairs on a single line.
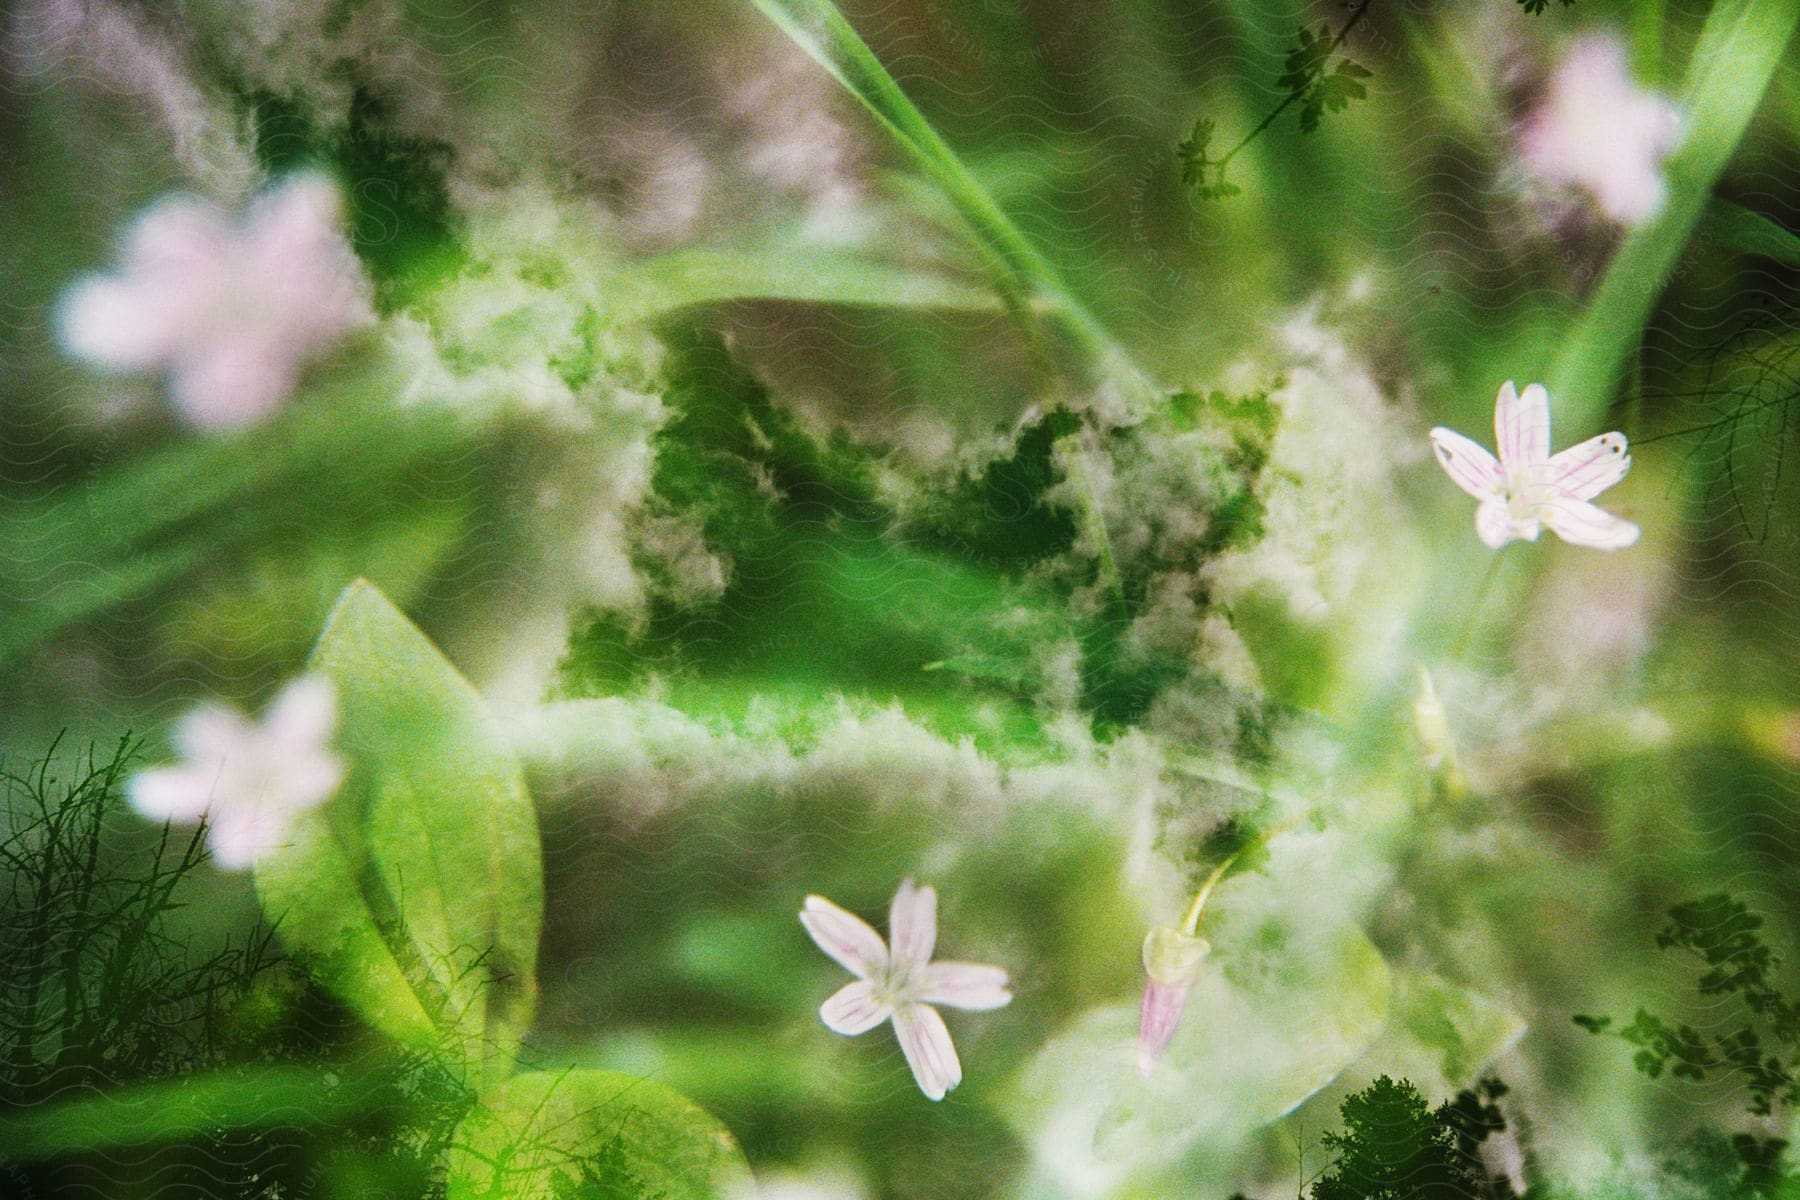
[[1279, 1011], [418, 892], [1442, 1033], [598, 1134], [1440, 1037]]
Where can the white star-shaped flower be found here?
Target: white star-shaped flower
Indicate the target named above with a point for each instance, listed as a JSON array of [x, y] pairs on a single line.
[[1527, 487], [248, 779], [230, 309], [1598, 131], [903, 983]]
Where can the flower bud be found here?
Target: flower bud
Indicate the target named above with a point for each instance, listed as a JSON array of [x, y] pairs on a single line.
[[1172, 961], [1431, 724]]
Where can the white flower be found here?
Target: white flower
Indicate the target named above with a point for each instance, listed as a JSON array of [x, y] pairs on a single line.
[[249, 780], [230, 310], [1597, 130], [1527, 487], [902, 984]]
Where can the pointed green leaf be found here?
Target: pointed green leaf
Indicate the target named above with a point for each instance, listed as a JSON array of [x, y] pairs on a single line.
[[592, 1133], [1740, 228], [789, 269], [418, 892]]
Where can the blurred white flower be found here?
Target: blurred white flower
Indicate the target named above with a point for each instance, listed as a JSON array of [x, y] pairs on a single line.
[[230, 310], [1527, 487], [1598, 131], [248, 779], [902, 984]]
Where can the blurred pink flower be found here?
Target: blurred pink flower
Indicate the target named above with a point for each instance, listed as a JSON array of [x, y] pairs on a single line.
[[1598, 131], [1527, 487], [1172, 962], [248, 780], [901, 985], [229, 310]]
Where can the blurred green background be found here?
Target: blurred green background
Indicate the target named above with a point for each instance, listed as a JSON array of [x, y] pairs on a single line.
[[822, 561]]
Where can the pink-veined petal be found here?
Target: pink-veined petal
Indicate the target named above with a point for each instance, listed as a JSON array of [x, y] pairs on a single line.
[[854, 1009], [1467, 462], [172, 793], [845, 936], [1158, 1014], [1582, 524], [912, 923], [1522, 425], [1586, 470], [928, 1049], [973, 986], [1494, 524]]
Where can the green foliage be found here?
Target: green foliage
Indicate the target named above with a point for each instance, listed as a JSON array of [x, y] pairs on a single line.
[[400, 215], [822, 592], [1723, 934], [1762, 1052], [1018, 270], [789, 267], [592, 1135], [416, 893], [1311, 77], [1534, 7], [1316, 81], [950, 608], [1394, 1146], [1199, 169], [98, 988]]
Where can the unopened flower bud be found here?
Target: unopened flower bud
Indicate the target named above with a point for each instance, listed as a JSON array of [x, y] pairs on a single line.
[[1172, 961], [1431, 724]]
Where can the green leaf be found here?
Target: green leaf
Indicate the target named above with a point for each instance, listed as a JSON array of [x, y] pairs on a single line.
[[417, 894], [196, 1106], [1440, 1036], [1738, 228], [599, 1135], [789, 270], [1279, 1010], [72, 553]]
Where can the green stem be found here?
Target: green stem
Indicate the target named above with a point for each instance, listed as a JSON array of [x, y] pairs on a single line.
[[1487, 582], [1298, 92], [1022, 274], [1190, 924]]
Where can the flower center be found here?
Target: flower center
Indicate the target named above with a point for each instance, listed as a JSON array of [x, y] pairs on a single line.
[[1524, 495], [897, 984]]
